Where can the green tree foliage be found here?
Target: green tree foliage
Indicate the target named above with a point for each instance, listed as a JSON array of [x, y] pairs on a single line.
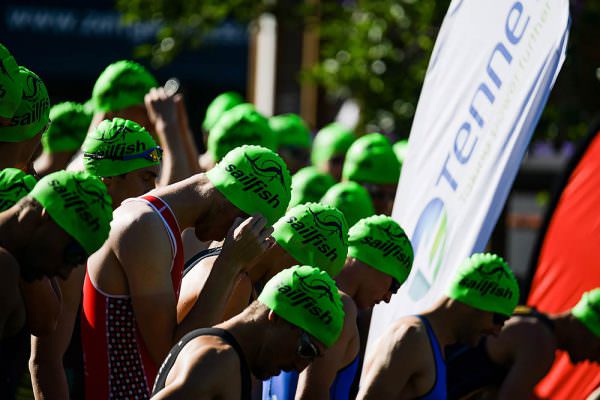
[[376, 52]]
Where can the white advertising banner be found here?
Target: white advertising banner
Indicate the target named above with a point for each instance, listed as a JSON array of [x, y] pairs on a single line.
[[489, 76]]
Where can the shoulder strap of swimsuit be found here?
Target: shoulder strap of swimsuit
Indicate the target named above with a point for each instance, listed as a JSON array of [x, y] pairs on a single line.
[[192, 262], [526, 311], [161, 377]]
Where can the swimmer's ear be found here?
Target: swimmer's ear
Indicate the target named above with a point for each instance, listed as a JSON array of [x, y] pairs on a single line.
[[272, 316]]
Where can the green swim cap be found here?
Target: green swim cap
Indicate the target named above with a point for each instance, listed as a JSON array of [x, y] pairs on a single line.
[[79, 203], [33, 112], [308, 298], [14, 185], [117, 147], [223, 102], [381, 243], [315, 235], [122, 84], [70, 123], [484, 281], [255, 180], [237, 127], [371, 159], [401, 148], [309, 185], [11, 84], [330, 141], [290, 131], [351, 199], [587, 311]]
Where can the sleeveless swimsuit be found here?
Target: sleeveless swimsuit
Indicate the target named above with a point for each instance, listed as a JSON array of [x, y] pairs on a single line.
[[117, 362]]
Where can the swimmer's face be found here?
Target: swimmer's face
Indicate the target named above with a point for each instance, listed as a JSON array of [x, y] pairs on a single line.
[[334, 166], [282, 352], [374, 287], [131, 184], [382, 196], [481, 323], [51, 252], [295, 158]]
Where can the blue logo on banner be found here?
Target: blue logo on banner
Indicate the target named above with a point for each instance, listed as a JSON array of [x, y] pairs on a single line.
[[429, 242]]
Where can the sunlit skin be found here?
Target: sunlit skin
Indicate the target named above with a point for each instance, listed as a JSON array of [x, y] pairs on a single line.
[[207, 367], [257, 273], [361, 287], [131, 184], [47, 350], [388, 375]]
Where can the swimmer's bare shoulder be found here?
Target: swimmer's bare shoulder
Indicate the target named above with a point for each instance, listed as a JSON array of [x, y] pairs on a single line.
[[526, 346], [398, 359], [206, 368], [138, 233]]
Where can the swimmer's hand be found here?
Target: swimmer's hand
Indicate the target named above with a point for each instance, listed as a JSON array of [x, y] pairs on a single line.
[[162, 109], [246, 240]]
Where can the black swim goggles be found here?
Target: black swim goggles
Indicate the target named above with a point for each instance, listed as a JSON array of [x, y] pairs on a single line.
[[306, 348]]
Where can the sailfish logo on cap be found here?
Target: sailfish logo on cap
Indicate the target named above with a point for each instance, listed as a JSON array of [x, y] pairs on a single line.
[[92, 194], [392, 232], [494, 270], [318, 286], [329, 223], [269, 168], [33, 84], [117, 135]]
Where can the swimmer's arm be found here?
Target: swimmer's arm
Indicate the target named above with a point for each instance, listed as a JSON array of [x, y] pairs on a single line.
[[191, 150], [240, 297], [163, 113], [316, 380], [194, 282], [144, 253], [388, 369], [531, 359], [9, 288], [245, 240], [46, 363], [42, 304]]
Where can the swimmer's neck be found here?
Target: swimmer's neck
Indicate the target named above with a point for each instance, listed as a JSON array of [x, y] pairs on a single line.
[[445, 321], [243, 328], [565, 324], [188, 199]]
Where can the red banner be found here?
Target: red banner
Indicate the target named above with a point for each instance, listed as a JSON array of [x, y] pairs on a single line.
[[568, 265]]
